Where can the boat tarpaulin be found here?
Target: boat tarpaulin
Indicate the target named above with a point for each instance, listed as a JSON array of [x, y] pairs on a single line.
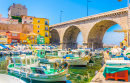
[[114, 70]]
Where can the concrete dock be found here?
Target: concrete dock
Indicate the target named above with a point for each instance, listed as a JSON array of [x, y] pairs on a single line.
[[9, 79], [99, 78]]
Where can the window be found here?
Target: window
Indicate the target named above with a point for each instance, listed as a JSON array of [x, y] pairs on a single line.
[[30, 18], [18, 8], [38, 31], [25, 17], [14, 34], [46, 34], [4, 41], [31, 37], [35, 37], [9, 33], [46, 22], [46, 28], [38, 26], [25, 22], [14, 41], [24, 41], [38, 21]]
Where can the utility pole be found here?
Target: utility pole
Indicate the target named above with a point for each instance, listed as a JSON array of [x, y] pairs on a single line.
[[87, 6], [60, 15]]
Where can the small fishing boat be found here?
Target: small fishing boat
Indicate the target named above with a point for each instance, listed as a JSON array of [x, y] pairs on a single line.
[[30, 68], [74, 57]]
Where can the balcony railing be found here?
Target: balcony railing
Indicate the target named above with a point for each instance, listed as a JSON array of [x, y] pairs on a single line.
[[46, 36]]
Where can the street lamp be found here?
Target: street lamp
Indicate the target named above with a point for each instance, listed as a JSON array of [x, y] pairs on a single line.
[[127, 21], [87, 6], [60, 16]]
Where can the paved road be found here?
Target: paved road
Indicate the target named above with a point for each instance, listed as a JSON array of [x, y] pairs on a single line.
[[9, 79], [99, 78]]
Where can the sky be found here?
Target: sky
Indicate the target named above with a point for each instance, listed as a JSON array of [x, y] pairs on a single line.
[[72, 9]]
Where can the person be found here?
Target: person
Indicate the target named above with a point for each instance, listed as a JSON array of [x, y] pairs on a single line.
[[96, 72], [103, 61]]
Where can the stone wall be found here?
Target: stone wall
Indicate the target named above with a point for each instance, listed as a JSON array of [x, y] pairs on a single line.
[[25, 28]]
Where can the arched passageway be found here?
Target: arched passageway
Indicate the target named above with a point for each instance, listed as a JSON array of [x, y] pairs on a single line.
[[96, 34], [70, 37], [55, 39]]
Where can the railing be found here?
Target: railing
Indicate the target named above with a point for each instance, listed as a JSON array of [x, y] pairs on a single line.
[[46, 36]]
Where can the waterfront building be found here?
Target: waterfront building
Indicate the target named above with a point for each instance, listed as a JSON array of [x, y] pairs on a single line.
[[27, 19], [13, 37], [17, 10], [32, 38], [41, 27], [40, 39], [23, 38], [8, 21], [3, 39]]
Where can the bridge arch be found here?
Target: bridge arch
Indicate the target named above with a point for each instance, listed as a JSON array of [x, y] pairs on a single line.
[[70, 37], [97, 32], [55, 38]]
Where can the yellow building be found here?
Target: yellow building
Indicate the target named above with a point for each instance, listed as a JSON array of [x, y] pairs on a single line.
[[23, 38], [41, 27], [3, 38], [32, 38]]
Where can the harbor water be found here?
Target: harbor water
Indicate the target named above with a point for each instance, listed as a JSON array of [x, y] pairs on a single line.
[[77, 74]]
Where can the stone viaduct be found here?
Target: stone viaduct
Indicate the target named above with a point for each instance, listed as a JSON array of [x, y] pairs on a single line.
[[92, 27]]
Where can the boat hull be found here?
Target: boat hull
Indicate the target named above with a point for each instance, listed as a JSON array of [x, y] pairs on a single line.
[[74, 62], [45, 78]]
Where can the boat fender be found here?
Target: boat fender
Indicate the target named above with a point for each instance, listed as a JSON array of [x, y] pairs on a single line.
[[36, 75], [27, 74], [20, 70]]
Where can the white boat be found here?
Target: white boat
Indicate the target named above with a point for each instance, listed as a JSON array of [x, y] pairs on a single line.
[[76, 58], [29, 67]]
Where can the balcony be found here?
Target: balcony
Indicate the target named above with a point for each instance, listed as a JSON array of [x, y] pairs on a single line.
[[46, 36], [46, 29]]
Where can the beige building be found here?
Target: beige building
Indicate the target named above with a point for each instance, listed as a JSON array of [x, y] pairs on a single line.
[[27, 19], [8, 21], [17, 10]]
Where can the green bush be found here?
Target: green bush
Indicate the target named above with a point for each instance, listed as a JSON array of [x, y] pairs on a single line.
[[17, 17]]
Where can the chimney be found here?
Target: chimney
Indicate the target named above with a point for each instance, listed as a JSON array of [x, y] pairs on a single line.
[[13, 4]]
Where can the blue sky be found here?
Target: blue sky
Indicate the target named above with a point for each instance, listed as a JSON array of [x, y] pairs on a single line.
[[72, 9]]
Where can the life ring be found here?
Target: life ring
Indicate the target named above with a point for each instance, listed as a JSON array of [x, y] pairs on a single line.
[[87, 52], [79, 53]]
